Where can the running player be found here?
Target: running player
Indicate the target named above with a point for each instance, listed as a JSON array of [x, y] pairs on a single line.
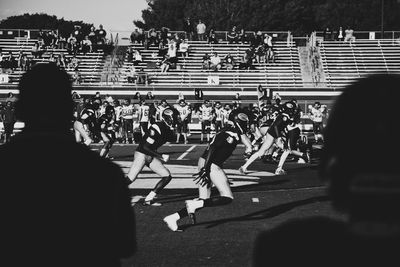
[[206, 116], [316, 115], [85, 123], [211, 171], [146, 153], [106, 124], [183, 123], [79, 128]]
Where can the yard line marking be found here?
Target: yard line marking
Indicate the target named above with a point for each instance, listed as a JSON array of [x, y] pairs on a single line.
[[256, 200], [186, 152]]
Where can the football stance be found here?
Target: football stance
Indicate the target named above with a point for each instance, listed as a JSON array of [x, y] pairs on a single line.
[[146, 153], [211, 171]]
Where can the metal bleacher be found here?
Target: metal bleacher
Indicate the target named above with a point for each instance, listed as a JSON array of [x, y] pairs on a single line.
[[343, 62], [90, 64], [284, 72]]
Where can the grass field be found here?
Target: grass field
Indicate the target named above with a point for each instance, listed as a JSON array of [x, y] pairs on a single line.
[[223, 236]]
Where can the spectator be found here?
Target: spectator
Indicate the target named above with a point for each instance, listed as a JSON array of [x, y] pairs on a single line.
[[137, 57], [215, 62], [9, 119], [349, 35], [132, 74], [165, 64], [137, 96], [141, 76], [188, 27], [11, 97], [201, 30], [62, 42], [247, 59], [229, 62], [86, 45], [184, 49], [327, 34], [364, 189], [37, 51], [92, 35], [135, 36], [340, 34], [101, 35], [260, 54], [72, 44], [74, 63], [233, 36], [150, 96], [76, 226], [211, 37], [242, 37], [77, 33]]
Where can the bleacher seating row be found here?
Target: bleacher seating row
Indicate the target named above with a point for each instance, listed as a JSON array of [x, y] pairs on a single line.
[[344, 62], [90, 64], [284, 72]]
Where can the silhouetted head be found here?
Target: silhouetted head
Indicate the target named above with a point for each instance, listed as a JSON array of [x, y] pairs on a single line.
[[360, 139], [45, 98]]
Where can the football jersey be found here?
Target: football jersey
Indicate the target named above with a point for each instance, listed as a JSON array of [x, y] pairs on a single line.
[[183, 111], [144, 111], [206, 112], [107, 121], [317, 114], [87, 116], [225, 143], [219, 114], [225, 114], [127, 112], [158, 134]]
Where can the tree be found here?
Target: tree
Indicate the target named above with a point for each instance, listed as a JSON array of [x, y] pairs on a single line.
[[43, 21]]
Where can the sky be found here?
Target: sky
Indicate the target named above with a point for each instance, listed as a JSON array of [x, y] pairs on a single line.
[[114, 15]]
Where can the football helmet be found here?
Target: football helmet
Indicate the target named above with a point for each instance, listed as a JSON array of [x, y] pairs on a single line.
[[169, 117], [241, 122]]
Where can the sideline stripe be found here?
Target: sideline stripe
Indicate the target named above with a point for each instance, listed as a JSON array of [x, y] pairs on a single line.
[[186, 152]]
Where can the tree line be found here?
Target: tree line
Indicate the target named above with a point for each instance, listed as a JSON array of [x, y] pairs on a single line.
[[299, 16]]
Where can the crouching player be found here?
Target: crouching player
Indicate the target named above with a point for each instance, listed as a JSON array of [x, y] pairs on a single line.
[[107, 130], [146, 154], [211, 172]]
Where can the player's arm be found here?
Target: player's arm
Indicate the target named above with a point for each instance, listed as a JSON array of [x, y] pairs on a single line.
[[247, 143]]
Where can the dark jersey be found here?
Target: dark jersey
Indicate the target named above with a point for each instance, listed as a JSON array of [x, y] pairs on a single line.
[[106, 123], [279, 127], [87, 116], [158, 134], [267, 116], [222, 146]]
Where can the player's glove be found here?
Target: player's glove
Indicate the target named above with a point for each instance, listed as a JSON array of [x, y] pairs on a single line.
[[203, 177]]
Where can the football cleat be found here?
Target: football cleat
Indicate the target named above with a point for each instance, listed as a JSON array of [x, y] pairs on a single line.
[[151, 203], [190, 207], [172, 223], [88, 141], [242, 170], [280, 171]]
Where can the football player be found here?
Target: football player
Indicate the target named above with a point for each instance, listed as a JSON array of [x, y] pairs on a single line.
[[316, 115], [146, 153], [219, 117], [183, 122], [211, 171], [206, 116], [274, 134], [85, 123], [106, 124], [144, 116]]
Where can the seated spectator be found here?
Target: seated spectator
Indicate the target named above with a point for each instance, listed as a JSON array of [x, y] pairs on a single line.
[[215, 62], [141, 76], [260, 54], [184, 49], [76, 77], [206, 62], [165, 64], [62, 42], [92, 35], [270, 55], [247, 59], [233, 36], [137, 57], [73, 63], [86, 45], [132, 74], [349, 35], [152, 37], [37, 51], [229, 62], [211, 37], [252, 38], [13, 63], [162, 49], [77, 33]]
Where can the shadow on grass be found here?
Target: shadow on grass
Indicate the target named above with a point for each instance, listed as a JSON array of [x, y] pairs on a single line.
[[262, 214]]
